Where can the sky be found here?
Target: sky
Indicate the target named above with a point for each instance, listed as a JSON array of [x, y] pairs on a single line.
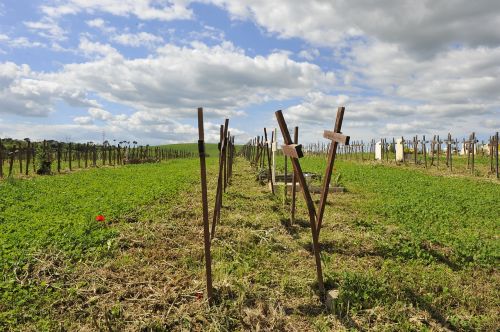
[[78, 70]]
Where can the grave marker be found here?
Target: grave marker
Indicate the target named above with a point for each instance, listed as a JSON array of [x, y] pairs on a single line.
[[294, 151]]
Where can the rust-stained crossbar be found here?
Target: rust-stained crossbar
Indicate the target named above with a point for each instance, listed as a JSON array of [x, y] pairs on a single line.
[[307, 196], [204, 195]]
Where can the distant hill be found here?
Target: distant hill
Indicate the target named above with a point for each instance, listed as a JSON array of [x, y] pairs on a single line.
[[211, 148]]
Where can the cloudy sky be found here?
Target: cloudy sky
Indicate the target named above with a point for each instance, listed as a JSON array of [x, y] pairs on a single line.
[[138, 69]]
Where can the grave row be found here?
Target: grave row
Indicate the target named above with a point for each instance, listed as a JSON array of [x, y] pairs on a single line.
[[428, 153], [27, 157]]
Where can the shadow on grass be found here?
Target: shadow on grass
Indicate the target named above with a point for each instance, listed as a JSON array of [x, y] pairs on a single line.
[[420, 302], [440, 257], [292, 230]]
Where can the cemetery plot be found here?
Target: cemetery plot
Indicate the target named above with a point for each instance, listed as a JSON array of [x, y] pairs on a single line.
[[150, 246], [466, 157]]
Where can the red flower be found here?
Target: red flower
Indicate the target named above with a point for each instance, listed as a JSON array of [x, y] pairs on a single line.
[[100, 217]]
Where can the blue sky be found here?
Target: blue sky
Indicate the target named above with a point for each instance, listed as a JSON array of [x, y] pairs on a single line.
[[138, 69]]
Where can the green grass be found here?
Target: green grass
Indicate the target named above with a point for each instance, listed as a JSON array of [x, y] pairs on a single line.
[[210, 148], [460, 214], [56, 215], [407, 251]]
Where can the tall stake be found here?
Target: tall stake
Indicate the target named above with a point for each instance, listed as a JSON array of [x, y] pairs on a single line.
[[206, 226], [496, 149], [336, 138], [294, 180], [269, 171]]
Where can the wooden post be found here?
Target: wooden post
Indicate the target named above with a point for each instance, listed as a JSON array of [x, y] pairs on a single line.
[[336, 138], [204, 198], [33, 156], [59, 148], [70, 156], [473, 146], [11, 161], [28, 156], [226, 139], [1, 159], [218, 194], [274, 150], [424, 150], [269, 172], [110, 154], [285, 179], [20, 159], [449, 143], [307, 196], [439, 150], [294, 180], [496, 154], [86, 154]]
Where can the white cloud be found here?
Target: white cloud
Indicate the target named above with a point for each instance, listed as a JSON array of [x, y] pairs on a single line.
[[27, 93], [100, 114], [97, 50], [421, 27], [309, 55], [19, 42], [100, 24], [96, 23], [47, 28], [164, 89], [178, 79], [137, 39], [142, 9], [83, 120]]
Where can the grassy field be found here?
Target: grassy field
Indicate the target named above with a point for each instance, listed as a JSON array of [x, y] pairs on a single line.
[[459, 163], [51, 220], [210, 148], [407, 250]]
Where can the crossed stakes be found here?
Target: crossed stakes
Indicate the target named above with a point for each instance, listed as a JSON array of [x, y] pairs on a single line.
[[294, 151]]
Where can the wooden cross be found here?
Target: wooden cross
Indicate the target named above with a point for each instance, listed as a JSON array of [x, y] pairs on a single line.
[[470, 153], [294, 151], [449, 143], [415, 148]]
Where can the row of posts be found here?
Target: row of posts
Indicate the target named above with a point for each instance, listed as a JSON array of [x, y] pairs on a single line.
[[419, 151], [21, 158]]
